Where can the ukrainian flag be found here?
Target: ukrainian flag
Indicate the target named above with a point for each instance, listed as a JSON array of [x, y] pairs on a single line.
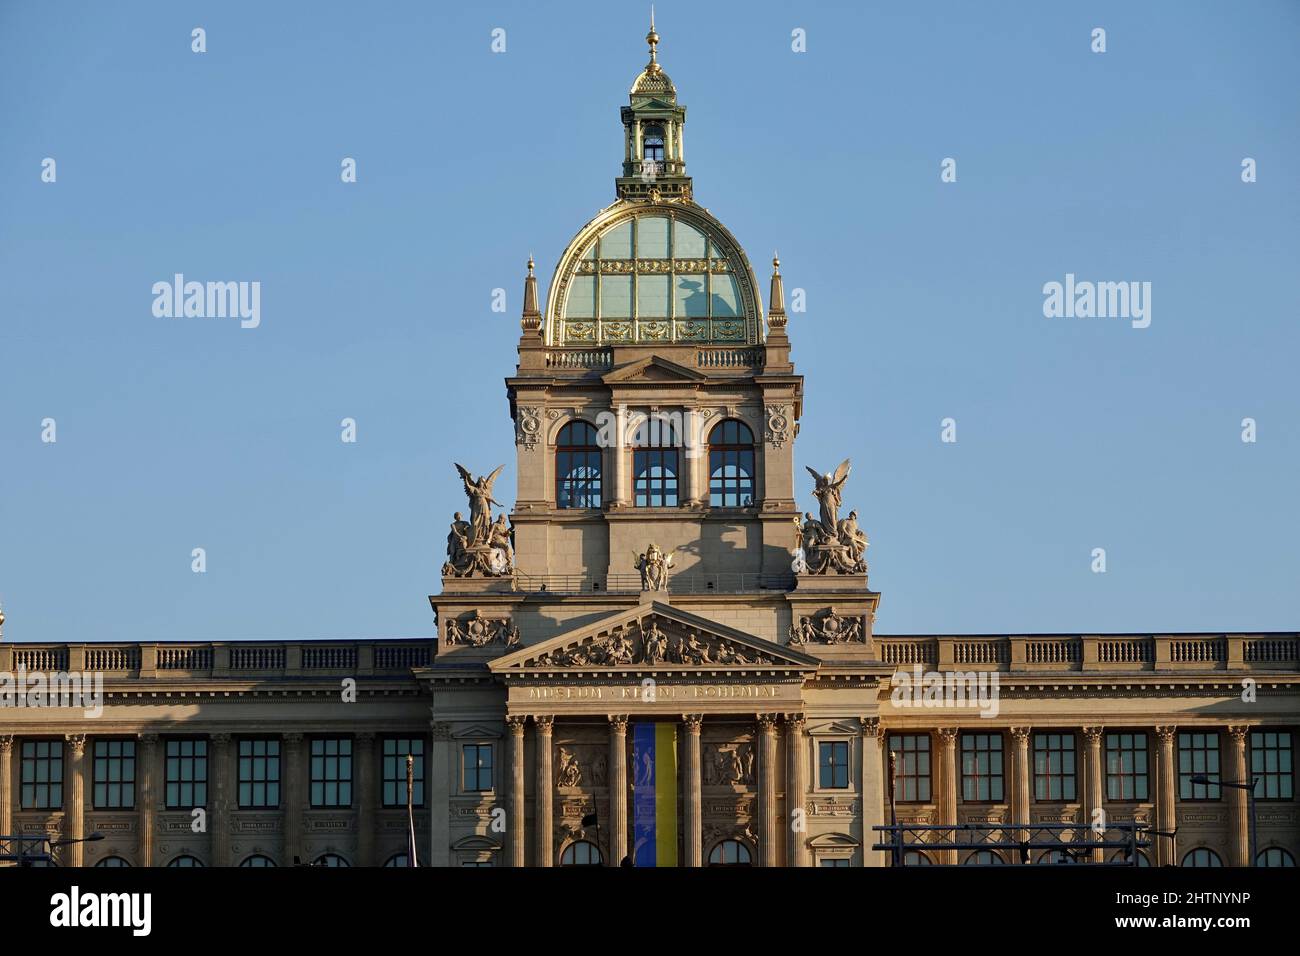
[[654, 794]]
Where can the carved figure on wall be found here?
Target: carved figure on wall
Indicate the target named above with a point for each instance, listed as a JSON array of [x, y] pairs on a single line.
[[647, 643], [828, 628], [479, 631], [653, 565], [569, 774]]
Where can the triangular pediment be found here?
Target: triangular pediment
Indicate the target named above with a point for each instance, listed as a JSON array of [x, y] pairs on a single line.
[[651, 369], [653, 637]]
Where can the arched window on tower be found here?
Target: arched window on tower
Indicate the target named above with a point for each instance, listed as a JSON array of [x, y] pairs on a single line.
[[655, 463], [577, 467], [652, 144], [731, 465]]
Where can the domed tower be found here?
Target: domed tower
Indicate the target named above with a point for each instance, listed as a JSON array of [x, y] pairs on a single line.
[[654, 400]]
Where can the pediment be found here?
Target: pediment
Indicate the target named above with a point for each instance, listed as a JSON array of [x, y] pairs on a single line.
[[652, 369], [653, 636]]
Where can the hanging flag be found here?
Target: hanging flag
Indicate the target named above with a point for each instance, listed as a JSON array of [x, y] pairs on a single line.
[[654, 794]]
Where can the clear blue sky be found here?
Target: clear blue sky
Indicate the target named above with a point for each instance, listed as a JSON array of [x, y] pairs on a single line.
[[924, 299]]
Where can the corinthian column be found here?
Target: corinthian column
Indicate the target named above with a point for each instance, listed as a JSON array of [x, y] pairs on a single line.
[[873, 789], [148, 798], [767, 787], [1020, 785], [694, 815], [294, 771], [515, 823], [948, 788], [1166, 780], [618, 788], [1238, 804], [6, 784], [543, 814], [1096, 794], [74, 824], [796, 789]]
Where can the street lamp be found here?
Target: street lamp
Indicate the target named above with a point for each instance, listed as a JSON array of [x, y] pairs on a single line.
[[1205, 780]]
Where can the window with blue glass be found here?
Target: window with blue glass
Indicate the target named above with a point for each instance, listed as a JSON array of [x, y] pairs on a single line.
[[655, 450], [577, 466], [731, 465]]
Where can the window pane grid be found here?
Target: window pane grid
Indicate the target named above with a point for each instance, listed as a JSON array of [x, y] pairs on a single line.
[[1054, 769], [981, 768], [394, 761], [1198, 755], [187, 774], [478, 767], [1271, 761], [1126, 767], [114, 775], [833, 764], [42, 775], [259, 773], [577, 467], [331, 772], [911, 767]]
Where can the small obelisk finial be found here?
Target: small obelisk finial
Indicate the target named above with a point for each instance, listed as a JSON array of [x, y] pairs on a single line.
[[531, 320], [776, 302]]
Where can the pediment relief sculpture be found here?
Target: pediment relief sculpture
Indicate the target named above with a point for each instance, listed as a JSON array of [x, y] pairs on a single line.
[[828, 627], [651, 641], [475, 630]]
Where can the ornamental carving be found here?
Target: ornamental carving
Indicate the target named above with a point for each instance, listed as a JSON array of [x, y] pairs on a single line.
[[827, 627], [581, 765], [528, 426], [653, 565], [778, 426], [475, 630], [831, 544], [479, 545], [645, 642], [728, 764]]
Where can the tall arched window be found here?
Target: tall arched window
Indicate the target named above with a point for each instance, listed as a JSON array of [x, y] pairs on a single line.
[[330, 859], [915, 858], [257, 860], [730, 853], [1274, 856], [652, 144], [577, 467], [731, 465], [581, 853], [655, 464], [112, 861], [1202, 856], [982, 858], [186, 860]]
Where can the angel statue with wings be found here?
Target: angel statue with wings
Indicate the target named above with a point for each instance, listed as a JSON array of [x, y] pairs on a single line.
[[827, 491], [479, 492]]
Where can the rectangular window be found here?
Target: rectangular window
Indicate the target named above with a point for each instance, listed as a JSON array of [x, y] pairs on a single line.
[[1054, 774], [259, 773], [331, 772], [1198, 755], [836, 861], [477, 767], [114, 774], [656, 477], [1126, 767], [577, 473], [396, 750], [1271, 761], [981, 768], [911, 767], [42, 775], [833, 764], [187, 774]]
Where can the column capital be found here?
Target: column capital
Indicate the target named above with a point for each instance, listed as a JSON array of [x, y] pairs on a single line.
[[1094, 734], [545, 723], [947, 735], [361, 736], [222, 739], [618, 723], [76, 742], [440, 729], [1238, 732], [1020, 734], [148, 739], [6, 743], [516, 724], [794, 723], [872, 727], [693, 722], [766, 723], [1166, 733]]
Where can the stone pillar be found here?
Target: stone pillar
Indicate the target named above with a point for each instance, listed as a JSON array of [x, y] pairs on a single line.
[[366, 802], [149, 785], [515, 835], [668, 141], [220, 784], [543, 792], [1166, 849], [442, 768], [767, 788], [796, 790], [1020, 792], [691, 799], [293, 780], [873, 790], [6, 784], [690, 494], [74, 819], [947, 788], [617, 788], [1237, 771], [617, 495], [1095, 795]]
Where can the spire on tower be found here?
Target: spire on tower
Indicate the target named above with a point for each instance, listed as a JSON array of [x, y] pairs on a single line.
[[531, 320], [776, 302]]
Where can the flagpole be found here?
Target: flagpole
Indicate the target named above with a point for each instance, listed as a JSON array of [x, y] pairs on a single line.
[[410, 812]]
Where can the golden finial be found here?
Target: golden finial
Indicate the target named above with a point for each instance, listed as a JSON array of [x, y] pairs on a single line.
[[530, 263], [776, 261], [653, 39]]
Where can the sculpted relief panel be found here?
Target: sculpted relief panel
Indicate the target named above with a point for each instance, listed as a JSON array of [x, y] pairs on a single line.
[[476, 630], [650, 641]]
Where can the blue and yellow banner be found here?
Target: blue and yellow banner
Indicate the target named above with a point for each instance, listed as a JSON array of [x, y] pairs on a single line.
[[654, 794]]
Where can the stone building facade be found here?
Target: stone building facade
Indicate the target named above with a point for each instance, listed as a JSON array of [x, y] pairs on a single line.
[[657, 568]]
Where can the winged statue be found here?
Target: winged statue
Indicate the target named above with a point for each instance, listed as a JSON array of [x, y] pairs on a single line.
[[827, 491], [479, 492]]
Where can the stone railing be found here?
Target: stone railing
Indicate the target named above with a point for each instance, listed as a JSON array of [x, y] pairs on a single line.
[[1096, 652], [235, 660], [730, 358], [580, 359]]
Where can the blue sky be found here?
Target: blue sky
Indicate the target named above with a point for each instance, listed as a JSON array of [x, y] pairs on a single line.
[[924, 298]]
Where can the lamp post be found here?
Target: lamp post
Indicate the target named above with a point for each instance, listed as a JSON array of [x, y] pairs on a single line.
[[896, 855], [1206, 780]]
